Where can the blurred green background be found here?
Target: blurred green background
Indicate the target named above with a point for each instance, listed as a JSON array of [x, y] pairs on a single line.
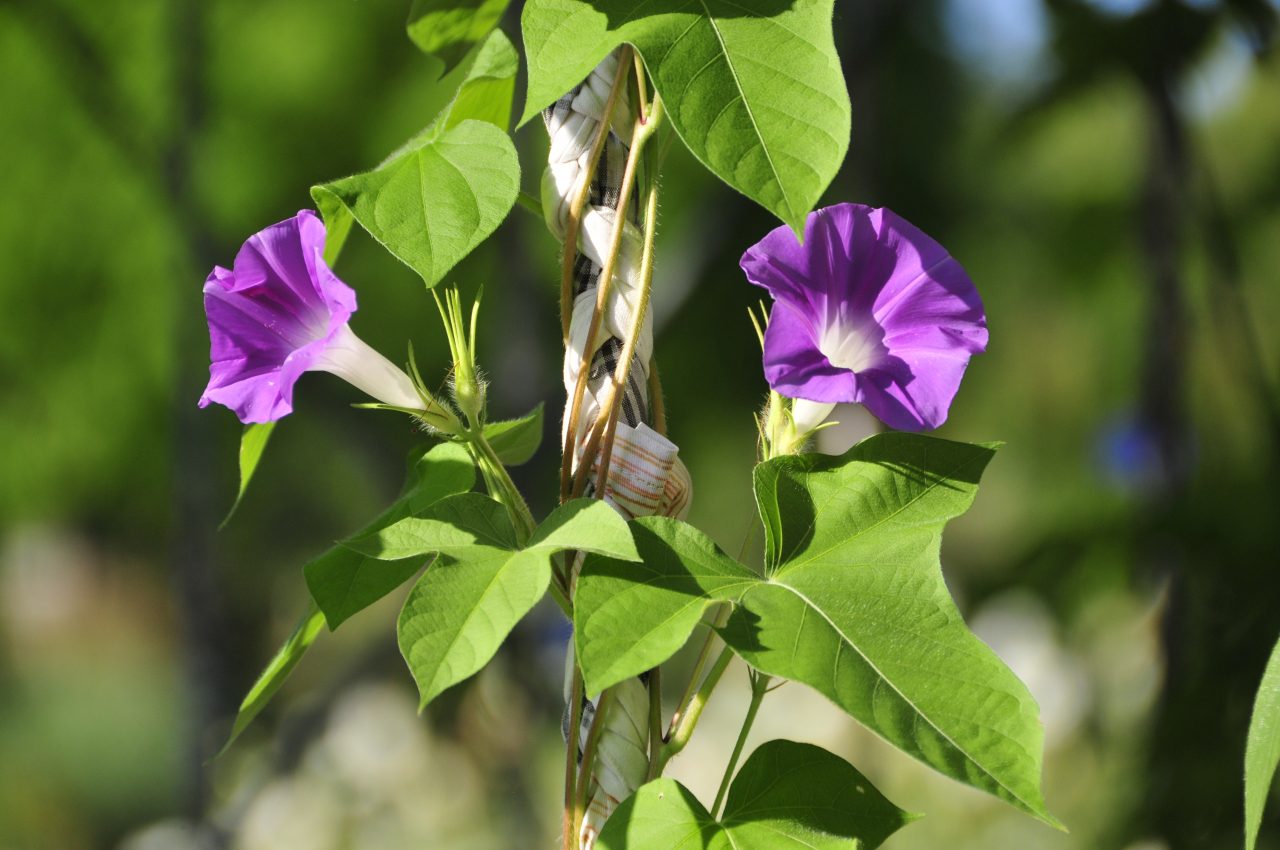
[[1108, 172]]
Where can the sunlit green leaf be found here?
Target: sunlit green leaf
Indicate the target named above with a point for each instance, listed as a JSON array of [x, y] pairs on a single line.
[[465, 605], [787, 796], [487, 86], [753, 87], [461, 611], [1262, 751], [444, 191], [516, 440], [631, 617], [435, 201], [858, 609], [853, 604], [585, 525], [448, 28], [270, 680], [253, 442], [454, 526], [344, 582]]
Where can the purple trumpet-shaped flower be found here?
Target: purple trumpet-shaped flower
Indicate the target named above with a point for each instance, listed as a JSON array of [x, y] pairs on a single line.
[[279, 312], [867, 310]]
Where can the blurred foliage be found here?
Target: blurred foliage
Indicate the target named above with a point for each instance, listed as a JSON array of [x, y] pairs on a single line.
[[1144, 604]]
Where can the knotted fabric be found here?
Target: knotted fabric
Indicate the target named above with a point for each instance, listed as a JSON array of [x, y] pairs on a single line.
[[646, 475]]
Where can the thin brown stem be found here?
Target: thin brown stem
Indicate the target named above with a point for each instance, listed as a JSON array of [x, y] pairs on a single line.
[[573, 221], [603, 288], [657, 405], [606, 424]]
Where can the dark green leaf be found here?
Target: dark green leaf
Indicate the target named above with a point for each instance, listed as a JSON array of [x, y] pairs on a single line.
[[286, 658], [631, 617], [753, 87], [858, 609], [787, 796], [1262, 751], [448, 28], [516, 440], [253, 442], [344, 582]]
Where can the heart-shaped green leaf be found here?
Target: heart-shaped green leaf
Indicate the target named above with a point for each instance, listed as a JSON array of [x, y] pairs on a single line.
[[853, 604], [464, 606], [443, 192]]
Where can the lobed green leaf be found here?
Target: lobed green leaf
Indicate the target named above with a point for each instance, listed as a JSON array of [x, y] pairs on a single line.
[[464, 606], [585, 525], [630, 617], [858, 610], [453, 526], [462, 609], [853, 604]]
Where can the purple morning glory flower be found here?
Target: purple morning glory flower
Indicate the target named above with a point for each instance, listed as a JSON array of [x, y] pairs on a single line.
[[279, 312], [869, 310]]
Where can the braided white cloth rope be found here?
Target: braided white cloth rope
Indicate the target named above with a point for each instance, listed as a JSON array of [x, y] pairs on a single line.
[[646, 475]]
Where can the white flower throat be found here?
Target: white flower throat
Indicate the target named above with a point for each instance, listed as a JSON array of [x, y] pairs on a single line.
[[847, 345]]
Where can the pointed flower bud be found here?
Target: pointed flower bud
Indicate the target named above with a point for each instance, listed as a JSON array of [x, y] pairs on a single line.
[[280, 311], [468, 387], [869, 310]]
